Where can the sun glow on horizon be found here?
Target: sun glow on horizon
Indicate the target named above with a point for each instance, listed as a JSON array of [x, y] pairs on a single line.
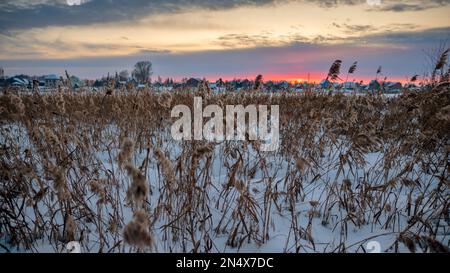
[[285, 40]]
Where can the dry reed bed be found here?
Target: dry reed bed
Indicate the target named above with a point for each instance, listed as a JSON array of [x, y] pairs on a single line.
[[103, 169]]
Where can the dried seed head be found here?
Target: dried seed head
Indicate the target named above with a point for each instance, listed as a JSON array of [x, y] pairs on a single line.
[[51, 138], [136, 232], [203, 89], [69, 229], [98, 188], [436, 246], [204, 150], [18, 103], [165, 99], [301, 164], [166, 165], [138, 189], [126, 152], [60, 103], [59, 183], [347, 184], [240, 185]]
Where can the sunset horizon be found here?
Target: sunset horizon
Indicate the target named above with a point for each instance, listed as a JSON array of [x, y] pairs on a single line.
[[281, 40]]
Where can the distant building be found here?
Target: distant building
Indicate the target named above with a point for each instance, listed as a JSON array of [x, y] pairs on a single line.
[[325, 84], [161, 87], [242, 84], [374, 85], [283, 85], [299, 87], [51, 81], [192, 82], [393, 87], [20, 82], [98, 83], [411, 86], [3, 82], [76, 82], [220, 86], [121, 84], [350, 86]]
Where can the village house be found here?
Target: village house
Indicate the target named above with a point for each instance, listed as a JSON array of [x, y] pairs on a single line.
[[51, 81], [393, 87], [374, 85], [192, 82], [19, 81], [350, 86], [325, 84]]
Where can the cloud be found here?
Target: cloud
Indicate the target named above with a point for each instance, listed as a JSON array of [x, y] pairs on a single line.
[[405, 6], [401, 7], [23, 14], [356, 29], [385, 5], [394, 34], [335, 3], [240, 40], [406, 38], [154, 51], [32, 46], [350, 29], [244, 40]]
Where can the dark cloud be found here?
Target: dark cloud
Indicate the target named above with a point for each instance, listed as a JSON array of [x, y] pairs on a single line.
[[20, 14], [429, 36], [404, 6], [386, 5], [400, 7], [355, 34], [262, 40], [37, 48], [350, 29], [154, 51], [335, 3], [355, 29], [239, 40], [25, 14]]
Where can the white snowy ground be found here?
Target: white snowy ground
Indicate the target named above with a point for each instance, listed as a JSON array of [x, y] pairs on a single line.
[[324, 238]]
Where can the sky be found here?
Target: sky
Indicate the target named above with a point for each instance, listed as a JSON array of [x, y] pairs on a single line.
[[280, 39]]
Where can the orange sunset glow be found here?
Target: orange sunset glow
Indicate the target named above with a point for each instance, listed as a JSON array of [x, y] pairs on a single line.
[[283, 40]]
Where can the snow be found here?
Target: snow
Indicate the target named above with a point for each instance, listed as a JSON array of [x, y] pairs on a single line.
[[323, 237]]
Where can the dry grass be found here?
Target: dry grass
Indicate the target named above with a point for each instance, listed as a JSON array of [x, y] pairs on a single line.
[[103, 169]]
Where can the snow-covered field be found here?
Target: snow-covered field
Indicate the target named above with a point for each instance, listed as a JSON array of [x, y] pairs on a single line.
[[340, 182]]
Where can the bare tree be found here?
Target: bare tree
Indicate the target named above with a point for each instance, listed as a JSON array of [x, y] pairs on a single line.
[[258, 83], [142, 71], [123, 75]]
